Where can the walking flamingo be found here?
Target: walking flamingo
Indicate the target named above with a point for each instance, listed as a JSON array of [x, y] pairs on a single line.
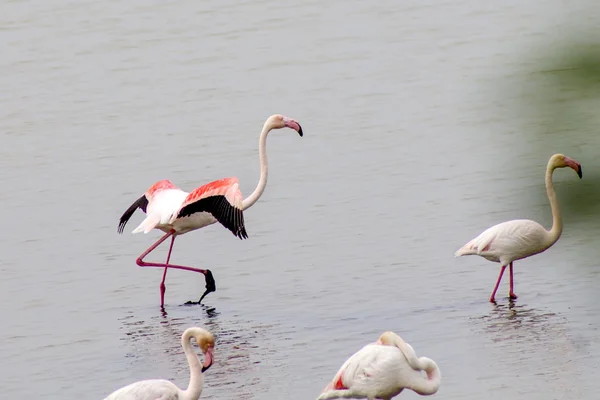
[[381, 370], [163, 389], [176, 212], [517, 239]]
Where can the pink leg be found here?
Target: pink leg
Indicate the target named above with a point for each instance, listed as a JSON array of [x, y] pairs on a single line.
[[210, 282], [511, 293], [492, 297], [162, 283]]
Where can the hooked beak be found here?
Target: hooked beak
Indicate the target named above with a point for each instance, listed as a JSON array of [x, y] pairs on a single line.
[[208, 359], [290, 123], [575, 165]]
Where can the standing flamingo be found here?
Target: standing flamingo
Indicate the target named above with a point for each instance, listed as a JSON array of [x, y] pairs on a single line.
[[176, 212], [381, 370], [153, 389], [520, 238]]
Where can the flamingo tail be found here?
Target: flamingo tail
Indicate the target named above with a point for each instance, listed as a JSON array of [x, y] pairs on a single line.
[[467, 250], [476, 246], [148, 224]]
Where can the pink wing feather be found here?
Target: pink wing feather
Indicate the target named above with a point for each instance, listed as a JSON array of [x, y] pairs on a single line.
[[143, 201], [227, 187], [158, 186], [222, 199]]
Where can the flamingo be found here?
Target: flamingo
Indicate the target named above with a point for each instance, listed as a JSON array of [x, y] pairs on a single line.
[[163, 389], [176, 212], [520, 238], [381, 370]]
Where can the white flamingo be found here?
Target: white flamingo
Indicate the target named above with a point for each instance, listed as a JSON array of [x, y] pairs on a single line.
[[155, 389], [382, 370], [520, 238], [176, 212]]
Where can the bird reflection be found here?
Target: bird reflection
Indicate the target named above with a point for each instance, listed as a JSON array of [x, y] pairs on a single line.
[[513, 322], [155, 344], [531, 344]]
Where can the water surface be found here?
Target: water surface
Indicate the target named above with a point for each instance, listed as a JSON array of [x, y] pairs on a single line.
[[416, 139]]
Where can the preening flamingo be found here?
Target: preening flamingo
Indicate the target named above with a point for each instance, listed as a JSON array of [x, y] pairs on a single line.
[[153, 389], [520, 238], [381, 370], [176, 212]]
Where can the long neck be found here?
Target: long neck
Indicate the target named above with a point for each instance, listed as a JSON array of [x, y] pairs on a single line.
[[557, 225], [196, 378], [418, 383], [431, 384], [264, 169]]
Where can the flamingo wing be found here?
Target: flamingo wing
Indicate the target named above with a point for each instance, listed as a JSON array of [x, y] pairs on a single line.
[[223, 200], [155, 389], [370, 372], [141, 203], [508, 241], [361, 367]]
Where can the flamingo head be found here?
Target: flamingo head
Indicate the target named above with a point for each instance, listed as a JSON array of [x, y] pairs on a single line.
[[278, 121], [206, 342], [562, 161]]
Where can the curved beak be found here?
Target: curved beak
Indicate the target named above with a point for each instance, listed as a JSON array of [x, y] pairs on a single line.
[[575, 165], [290, 123], [208, 359]]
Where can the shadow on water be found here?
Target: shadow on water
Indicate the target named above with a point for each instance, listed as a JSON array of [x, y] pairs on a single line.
[[508, 322], [240, 346], [533, 345]]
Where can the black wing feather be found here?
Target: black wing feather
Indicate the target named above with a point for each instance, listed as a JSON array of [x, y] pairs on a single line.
[[229, 216], [142, 203]]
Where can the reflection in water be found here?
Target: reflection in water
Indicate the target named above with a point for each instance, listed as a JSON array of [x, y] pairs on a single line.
[[515, 322], [532, 345], [156, 340]]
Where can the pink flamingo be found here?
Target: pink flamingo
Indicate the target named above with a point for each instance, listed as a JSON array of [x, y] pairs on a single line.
[[176, 212], [382, 370], [520, 238]]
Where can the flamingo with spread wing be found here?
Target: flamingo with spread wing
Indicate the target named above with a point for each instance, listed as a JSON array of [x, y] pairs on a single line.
[[176, 212]]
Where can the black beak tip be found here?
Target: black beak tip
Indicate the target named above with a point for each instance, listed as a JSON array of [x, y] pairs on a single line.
[[205, 368], [300, 131], [580, 172]]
